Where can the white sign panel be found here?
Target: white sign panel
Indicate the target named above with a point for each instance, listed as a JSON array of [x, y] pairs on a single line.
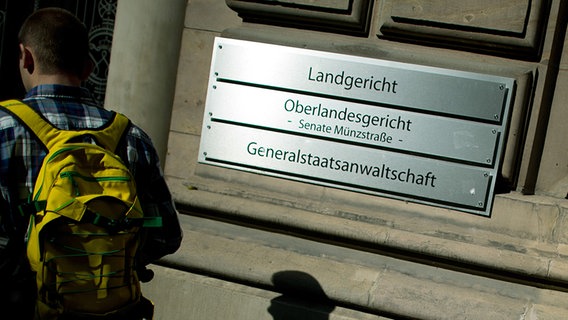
[[411, 132]]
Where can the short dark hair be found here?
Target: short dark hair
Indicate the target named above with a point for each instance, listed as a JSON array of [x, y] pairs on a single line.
[[60, 41]]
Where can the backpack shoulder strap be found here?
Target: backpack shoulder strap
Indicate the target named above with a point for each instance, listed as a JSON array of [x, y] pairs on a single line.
[[108, 136], [41, 128]]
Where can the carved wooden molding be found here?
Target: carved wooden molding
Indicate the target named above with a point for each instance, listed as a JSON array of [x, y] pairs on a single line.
[[512, 28], [339, 16]]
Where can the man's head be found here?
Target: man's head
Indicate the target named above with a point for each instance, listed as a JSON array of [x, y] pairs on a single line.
[[53, 43]]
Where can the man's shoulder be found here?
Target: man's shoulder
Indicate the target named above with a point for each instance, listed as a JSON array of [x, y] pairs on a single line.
[[137, 139], [138, 133]]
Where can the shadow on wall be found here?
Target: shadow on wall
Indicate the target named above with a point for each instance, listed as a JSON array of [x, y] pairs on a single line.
[[302, 297]]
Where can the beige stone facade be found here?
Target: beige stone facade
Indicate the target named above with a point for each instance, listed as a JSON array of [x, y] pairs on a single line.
[[260, 247]]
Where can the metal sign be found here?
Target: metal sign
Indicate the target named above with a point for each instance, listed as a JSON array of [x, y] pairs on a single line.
[[411, 132]]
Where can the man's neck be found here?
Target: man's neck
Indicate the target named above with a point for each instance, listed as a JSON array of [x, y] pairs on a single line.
[[60, 79]]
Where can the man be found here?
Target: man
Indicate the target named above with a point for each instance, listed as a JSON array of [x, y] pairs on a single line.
[[54, 60]]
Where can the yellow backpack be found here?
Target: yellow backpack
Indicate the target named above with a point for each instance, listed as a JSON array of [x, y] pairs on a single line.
[[86, 222]]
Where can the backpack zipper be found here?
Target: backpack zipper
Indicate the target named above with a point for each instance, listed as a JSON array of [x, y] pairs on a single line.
[[74, 174]]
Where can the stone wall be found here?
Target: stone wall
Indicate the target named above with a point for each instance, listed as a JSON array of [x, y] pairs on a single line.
[[366, 257]]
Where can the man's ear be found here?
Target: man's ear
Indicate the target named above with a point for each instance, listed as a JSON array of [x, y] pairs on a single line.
[[27, 59]]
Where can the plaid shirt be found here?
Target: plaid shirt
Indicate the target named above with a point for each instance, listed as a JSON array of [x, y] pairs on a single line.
[[72, 108]]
